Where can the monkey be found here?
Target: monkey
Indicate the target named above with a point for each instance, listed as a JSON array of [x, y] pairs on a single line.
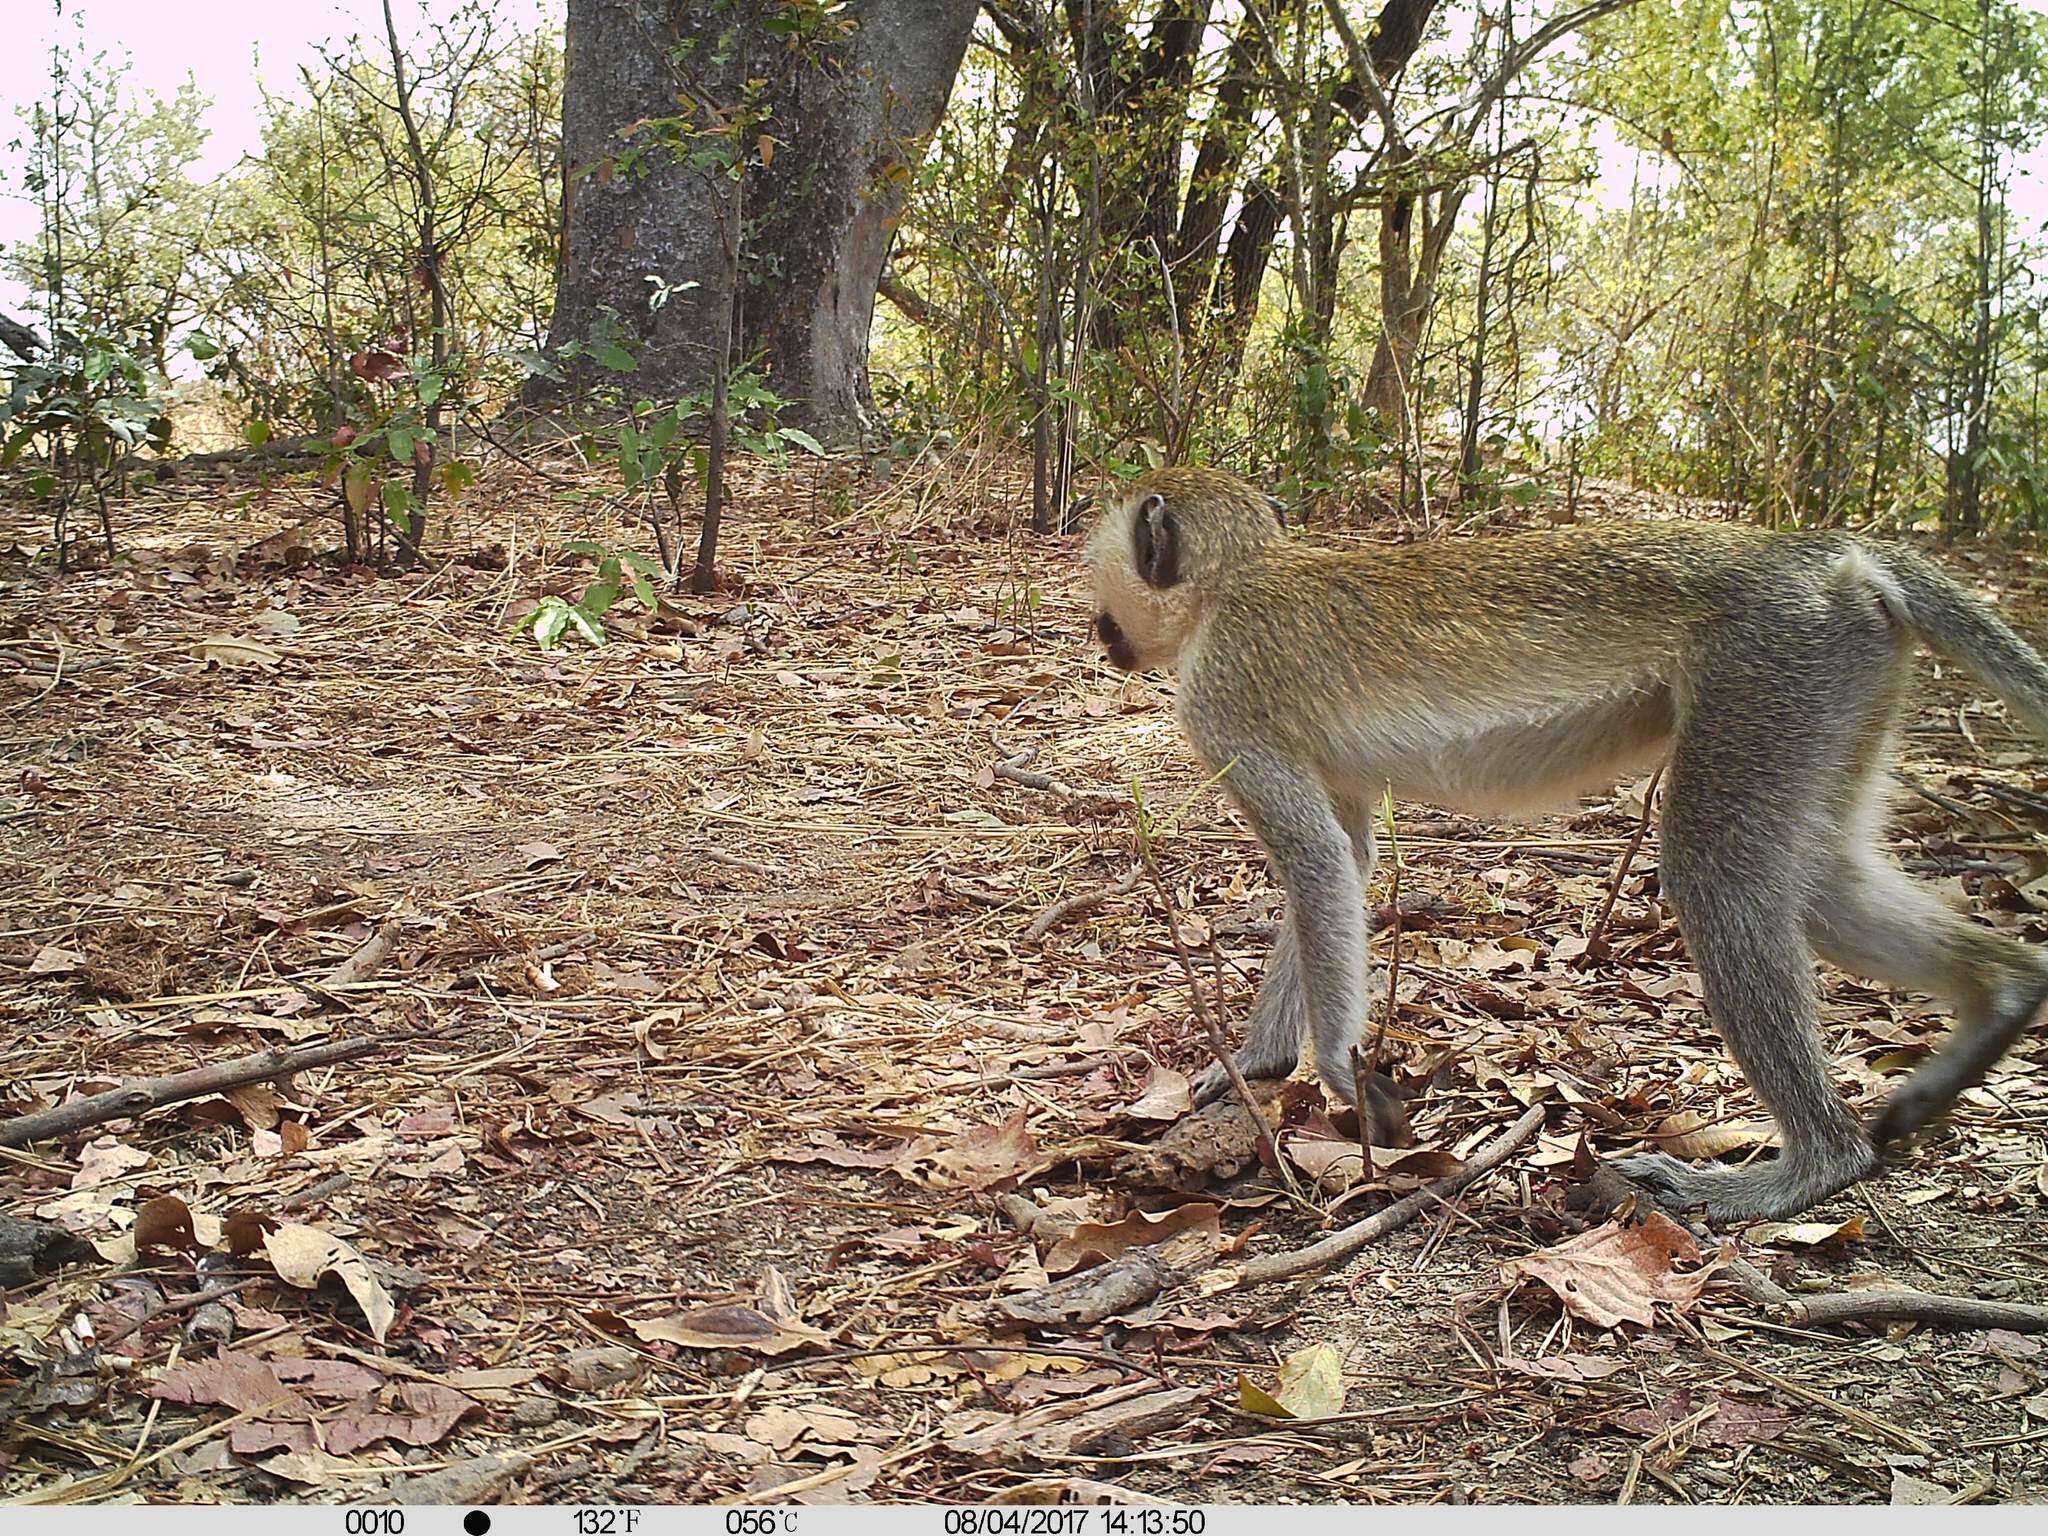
[[1506, 676]]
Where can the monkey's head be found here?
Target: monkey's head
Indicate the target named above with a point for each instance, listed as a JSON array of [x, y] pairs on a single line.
[[1165, 545]]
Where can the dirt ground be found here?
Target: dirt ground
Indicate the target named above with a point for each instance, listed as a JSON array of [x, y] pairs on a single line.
[[715, 1043]]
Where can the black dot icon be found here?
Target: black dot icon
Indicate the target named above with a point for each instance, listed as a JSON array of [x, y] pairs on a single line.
[[476, 1522]]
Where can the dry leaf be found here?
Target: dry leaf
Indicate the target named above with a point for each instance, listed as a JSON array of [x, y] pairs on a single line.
[[1092, 1242], [232, 1380], [237, 651], [978, 1159], [1617, 1273], [302, 1254], [1694, 1137], [1311, 1386], [1567, 1367], [164, 1225], [1805, 1234], [1166, 1097], [54, 960], [728, 1327], [429, 1411]]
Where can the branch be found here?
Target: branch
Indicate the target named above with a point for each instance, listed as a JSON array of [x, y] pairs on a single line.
[[1368, 77], [133, 1098], [1473, 109]]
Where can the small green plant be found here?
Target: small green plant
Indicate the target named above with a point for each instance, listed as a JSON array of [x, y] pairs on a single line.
[[618, 572], [82, 408], [382, 459]]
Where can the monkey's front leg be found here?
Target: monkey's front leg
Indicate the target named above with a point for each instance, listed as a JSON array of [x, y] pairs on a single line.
[[1272, 1041], [1324, 865]]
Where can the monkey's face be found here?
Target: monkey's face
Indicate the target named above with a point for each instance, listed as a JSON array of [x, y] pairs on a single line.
[[1143, 611]]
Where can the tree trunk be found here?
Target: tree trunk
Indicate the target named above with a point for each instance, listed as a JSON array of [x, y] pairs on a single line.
[[847, 123]]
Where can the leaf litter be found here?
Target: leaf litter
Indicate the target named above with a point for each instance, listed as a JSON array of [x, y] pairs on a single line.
[[719, 1040]]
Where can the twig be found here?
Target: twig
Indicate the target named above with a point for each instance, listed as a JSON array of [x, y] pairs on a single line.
[[1628, 857], [169, 1305], [155, 1092], [1219, 1046], [1079, 902], [1835, 1309], [1799, 1391], [1015, 768], [366, 962], [1344, 1242], [1363, 1068]]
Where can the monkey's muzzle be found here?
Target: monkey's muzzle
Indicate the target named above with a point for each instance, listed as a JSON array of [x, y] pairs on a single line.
[[1116, 643]]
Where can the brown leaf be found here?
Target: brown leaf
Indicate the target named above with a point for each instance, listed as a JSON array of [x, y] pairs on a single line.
[[55, 960], [979, 1159], [1567, 1367], [1091, 1242], [1805, 1234], [302, 1254], [237, 1381], [1617, 1273], [597, 1368], [245, 1230], [1737, 1421], [727, 1327], [165, 1226], [1694, 1137], [1166, 1097], [428, 1412]]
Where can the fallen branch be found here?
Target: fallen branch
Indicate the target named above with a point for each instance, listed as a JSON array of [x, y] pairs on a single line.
[[1344, 1242], [366, 962], [1138, 1277], [149, 1093], [1079, 902], [1610, 1190]]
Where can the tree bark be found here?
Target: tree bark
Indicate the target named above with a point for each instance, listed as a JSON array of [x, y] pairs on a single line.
[[848, 122]]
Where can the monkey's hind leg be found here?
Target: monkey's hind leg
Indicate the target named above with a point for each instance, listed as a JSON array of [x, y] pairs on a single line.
[[1756, 773], [1877, 922]]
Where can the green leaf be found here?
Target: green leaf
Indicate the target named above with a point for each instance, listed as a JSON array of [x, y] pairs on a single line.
[[399, 441], [803, 440], [614, 357], [550, 619], [202, 347], [256, 433]]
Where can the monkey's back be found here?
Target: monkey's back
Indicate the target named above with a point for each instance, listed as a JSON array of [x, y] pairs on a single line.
[[1491, 639]]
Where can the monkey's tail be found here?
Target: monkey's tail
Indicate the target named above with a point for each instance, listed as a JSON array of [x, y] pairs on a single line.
[[1961, 626]]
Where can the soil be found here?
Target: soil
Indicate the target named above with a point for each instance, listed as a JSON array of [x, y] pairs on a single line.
[[713, 1003]]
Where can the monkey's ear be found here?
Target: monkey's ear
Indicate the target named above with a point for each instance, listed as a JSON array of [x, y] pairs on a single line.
[[1156, 542]]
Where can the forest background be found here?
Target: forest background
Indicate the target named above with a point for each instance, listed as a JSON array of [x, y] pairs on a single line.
[[1785, 255]]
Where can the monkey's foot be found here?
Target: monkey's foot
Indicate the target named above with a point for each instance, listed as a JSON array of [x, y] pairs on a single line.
[[1770, 1191], [1213, 1082]]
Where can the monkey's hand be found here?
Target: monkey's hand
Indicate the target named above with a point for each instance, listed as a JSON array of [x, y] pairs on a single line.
[[1213, 1082]]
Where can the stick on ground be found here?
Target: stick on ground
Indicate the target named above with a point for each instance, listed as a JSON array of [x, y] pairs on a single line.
[[155, 1092]]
